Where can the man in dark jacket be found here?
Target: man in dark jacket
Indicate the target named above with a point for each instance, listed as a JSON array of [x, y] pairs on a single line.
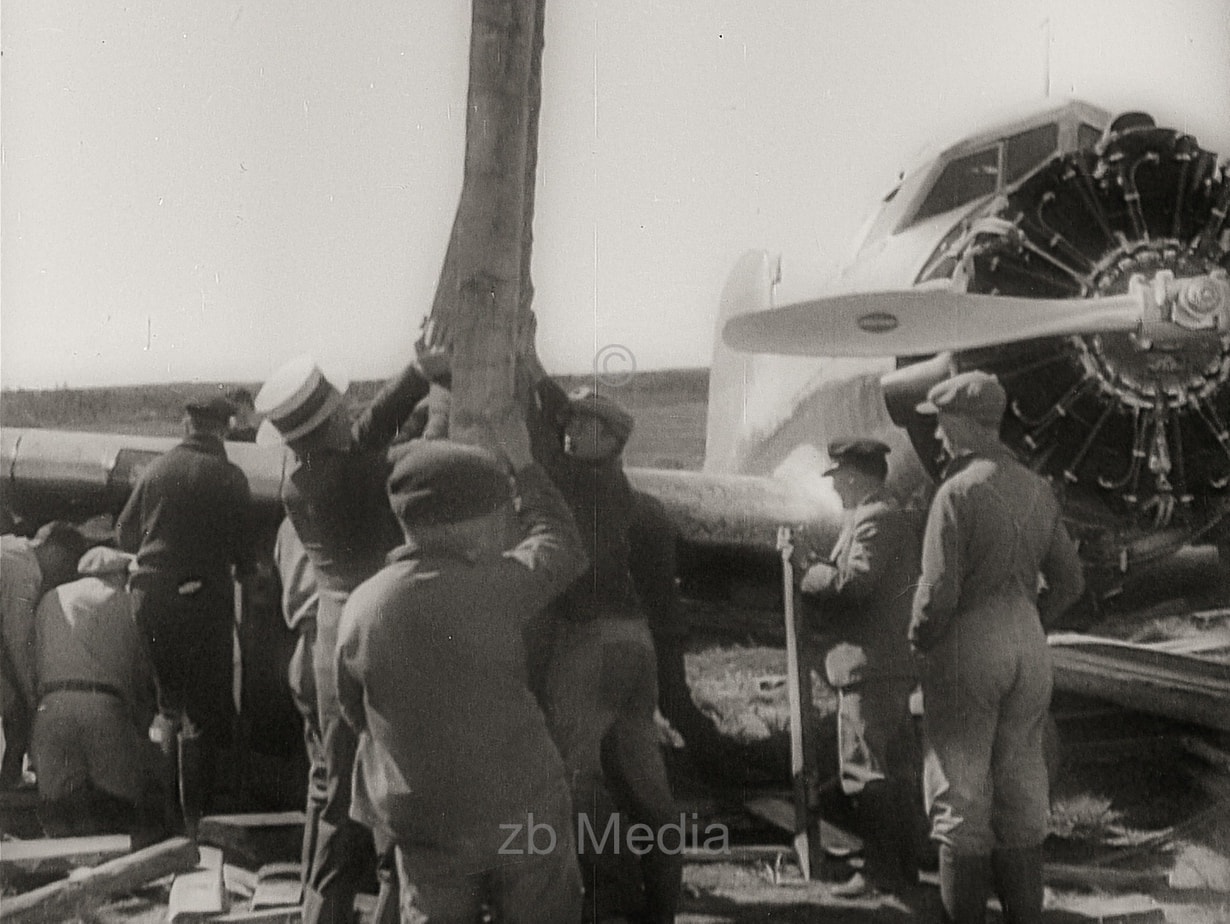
[[335, 498], [601, 684], [860, 601], [187, 521]]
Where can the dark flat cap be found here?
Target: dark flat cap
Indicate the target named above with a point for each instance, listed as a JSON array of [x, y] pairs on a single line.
[[587, 401], [856, 451], [440, 481], [215, 408], [976, 395]]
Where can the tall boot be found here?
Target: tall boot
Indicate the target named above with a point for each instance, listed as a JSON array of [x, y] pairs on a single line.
[[887, 841], [964, 884], [1018, 882], [191, 777]]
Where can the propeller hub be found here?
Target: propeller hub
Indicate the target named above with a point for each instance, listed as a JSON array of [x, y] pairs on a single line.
[[1165, 364]]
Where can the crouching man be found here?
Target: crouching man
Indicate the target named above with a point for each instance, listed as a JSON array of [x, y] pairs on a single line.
[[97, 700], [454, 759]]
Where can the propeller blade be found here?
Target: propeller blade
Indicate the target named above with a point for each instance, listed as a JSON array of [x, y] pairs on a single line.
[[918, 321]]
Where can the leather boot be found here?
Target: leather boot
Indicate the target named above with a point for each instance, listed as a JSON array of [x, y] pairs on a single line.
[[886, 840], [191, 778], [1018, 882], [964, 884]]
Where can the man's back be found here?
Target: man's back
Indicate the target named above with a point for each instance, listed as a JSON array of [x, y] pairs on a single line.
[[188, 513], [87, 631]]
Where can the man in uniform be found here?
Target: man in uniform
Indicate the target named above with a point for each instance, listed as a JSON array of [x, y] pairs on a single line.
[[29, 568], [335, 498], [455, 764], [96, 691], [993, 531], [188, 523], [859, 599]]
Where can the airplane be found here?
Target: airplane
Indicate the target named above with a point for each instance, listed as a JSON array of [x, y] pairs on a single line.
[[1080, 257]]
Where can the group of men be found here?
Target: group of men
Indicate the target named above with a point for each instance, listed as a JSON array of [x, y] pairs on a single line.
[[959, 605], [137, 650], [475, 658]]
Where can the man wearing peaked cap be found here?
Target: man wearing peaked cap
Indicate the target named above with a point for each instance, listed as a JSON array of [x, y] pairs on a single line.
[[600, 688], [993, 530], [211, 409], [188, 521], [453, 750], [865, 454], [975, 395], [859, 599], [335, 498]]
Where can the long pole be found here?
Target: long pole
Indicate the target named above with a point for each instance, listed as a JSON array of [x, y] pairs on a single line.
[[483, 298], [807, 845]]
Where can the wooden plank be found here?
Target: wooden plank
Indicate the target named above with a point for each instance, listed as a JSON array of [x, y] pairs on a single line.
[[1102, 877], [60, 854], [779, 811], [196, 895], [1149, 680], [238, 881], [278, 884], [255, 839], [61, 901], [802, 737], [262, 916]]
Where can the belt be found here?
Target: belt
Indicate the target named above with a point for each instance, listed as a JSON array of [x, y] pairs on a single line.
[[80, 686]]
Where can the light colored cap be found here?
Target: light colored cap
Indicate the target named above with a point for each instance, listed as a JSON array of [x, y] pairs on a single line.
[[296, 400], [976, 395], [103, 560]]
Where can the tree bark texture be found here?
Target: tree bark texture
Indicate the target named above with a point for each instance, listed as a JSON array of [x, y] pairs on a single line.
[[484, 294]]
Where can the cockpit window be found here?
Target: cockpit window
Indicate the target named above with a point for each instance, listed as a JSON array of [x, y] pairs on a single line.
[[1087, 135], [1025, 151], [964, 180]]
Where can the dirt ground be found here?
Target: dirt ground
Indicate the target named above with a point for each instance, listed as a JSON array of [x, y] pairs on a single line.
[[1140, 831]]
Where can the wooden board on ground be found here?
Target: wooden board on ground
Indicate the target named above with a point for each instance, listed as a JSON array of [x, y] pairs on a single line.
[[61, 901], [255, 839], [779, 812], [262, 916], [278, 884], [60, 854], [196, 895], [1146, 677]]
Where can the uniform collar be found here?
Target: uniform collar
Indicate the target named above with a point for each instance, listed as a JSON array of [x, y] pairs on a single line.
[[876, 496], [202, 442], [963, 458]]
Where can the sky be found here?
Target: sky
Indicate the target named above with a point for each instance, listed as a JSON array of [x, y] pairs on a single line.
[[199, 191]]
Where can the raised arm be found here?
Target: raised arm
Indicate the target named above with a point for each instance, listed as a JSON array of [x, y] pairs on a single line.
[[379, 423], [551, 555]]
